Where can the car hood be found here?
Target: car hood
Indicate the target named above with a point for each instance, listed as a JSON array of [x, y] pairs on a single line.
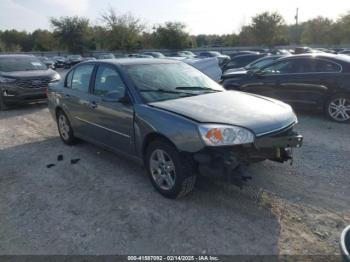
[[29, 74], [259, 114]]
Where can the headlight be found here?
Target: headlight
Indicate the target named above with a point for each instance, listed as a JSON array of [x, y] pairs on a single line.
[[225, 135], [56, 77], [6, 80]]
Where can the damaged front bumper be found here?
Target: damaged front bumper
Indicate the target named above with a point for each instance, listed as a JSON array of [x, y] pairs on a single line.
[[222, 161]]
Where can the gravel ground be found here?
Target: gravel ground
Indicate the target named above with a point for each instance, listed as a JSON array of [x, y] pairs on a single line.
[[105, 204]]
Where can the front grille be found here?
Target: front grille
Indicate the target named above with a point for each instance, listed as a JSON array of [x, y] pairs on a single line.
[[278, 133], [33, 83]]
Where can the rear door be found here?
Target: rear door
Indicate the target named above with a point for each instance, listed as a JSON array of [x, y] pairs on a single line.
[[309, 82], [111, 112], [76, 96]]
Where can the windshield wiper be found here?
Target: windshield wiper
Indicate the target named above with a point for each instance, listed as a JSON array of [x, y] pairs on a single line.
[[165, 91], [197, 88]]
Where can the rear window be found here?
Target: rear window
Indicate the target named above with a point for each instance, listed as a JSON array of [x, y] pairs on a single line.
[[326, 66], [17, 63]]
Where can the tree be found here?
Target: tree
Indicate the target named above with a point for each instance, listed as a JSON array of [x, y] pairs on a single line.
[[317, 31], [342, 28], [15, 41], [43, 40], [268, 29], [73, 33], [247, 36], [171, 35], [123, 31]]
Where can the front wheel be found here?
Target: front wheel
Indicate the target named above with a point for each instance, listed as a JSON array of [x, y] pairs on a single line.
[[171, 174], [65, 129], [338, 108]]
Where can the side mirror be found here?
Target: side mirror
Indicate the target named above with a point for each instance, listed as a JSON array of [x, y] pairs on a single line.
[[258, 73]]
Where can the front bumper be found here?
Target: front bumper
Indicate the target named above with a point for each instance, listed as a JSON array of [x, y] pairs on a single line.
[[13, 95], [221, 161]]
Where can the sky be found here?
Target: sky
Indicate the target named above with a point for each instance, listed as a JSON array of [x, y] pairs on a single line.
[[200, 16]]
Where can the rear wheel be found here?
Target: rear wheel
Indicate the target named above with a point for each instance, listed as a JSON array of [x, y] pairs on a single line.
[[171, 175], [65, 129], [338, 108]]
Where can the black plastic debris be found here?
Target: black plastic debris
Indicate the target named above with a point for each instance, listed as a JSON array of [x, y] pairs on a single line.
[[60, 158], [74, 161], [50, 165]]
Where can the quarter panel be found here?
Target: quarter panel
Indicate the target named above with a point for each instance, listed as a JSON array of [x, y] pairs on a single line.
[[182, 132]]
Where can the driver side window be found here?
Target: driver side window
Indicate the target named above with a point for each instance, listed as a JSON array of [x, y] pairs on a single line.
[[283, 67], [108, 83]]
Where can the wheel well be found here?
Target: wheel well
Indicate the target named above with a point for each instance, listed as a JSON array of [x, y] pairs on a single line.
[[150, 138], [333, 95], [57, 110]]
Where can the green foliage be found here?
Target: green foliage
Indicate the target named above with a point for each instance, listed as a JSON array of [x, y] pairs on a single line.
[[268, 29], [122, 32], [128, 33], [171, 35], [44, 40], [317, 31], [73, 33]]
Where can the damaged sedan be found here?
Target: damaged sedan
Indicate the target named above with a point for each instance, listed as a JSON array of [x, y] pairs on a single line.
[[172, 118]]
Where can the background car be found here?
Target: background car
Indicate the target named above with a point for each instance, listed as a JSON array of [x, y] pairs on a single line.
[[223, 59], [89, 58], [73, 60], [139, 56], [185, 54], [344, 52], [50, 63], [60, 61], [105, 56], [239, 53], [154, 54], [241, 61], [23, 79], [255, 65], [311, 81]]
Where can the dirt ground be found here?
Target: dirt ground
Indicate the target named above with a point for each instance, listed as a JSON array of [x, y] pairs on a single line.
[[104, 204]]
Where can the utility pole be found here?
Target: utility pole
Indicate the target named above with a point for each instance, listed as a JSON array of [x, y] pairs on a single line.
[[297, 40]]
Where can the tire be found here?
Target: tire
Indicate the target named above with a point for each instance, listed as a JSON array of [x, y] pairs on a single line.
[[338, 108], [176, 175], [65, 129]]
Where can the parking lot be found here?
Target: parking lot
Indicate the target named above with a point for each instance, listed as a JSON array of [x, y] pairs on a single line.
[[105, 204]]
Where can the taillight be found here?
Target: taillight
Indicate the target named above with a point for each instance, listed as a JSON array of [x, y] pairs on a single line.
[[46, 91]]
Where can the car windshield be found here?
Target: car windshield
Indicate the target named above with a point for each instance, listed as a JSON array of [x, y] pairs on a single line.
[[16, 63], [158, 82]]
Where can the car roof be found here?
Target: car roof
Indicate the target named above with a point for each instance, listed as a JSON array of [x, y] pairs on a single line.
[[139, 61], [342, 58]]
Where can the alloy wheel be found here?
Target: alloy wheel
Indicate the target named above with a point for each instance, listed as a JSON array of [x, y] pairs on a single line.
[[339, 109], [162, 169], [63, 127]]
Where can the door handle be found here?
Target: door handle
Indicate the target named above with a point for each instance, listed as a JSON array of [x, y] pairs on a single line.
[[93, 105], [67, 95]]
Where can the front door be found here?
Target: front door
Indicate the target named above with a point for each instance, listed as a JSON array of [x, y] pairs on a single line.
[[111, 112]]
